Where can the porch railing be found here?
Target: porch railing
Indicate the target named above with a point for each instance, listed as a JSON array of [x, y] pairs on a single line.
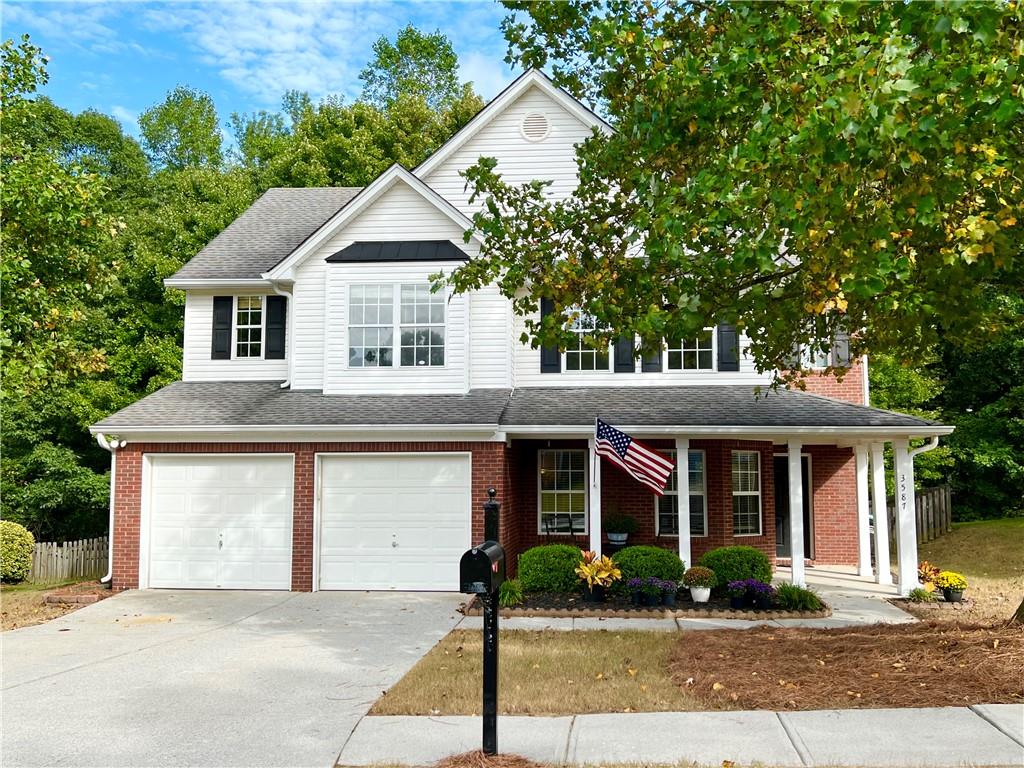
[[934, 513]]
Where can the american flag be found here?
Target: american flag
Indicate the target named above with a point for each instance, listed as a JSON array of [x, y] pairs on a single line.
[[649, 467]]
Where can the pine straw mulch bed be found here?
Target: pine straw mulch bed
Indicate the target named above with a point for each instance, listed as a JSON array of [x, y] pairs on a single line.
[[908, 665], [555, 605]]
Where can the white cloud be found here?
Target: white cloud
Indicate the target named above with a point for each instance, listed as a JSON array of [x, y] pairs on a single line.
[[489, 74], [129, 119]]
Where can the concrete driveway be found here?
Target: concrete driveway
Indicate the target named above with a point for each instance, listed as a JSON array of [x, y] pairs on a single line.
[[174, 678]]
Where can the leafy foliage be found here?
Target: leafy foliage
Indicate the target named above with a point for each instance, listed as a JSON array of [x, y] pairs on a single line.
[[794, 169], [643, 562], [790, 597], [597, 571], [182, 131], [737, 564], [699, 576], [549, 568], [920, 595], [510, 593], [416, 64], [15, 552]]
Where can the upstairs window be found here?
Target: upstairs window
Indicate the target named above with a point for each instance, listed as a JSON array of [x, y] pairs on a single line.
[[374, 325], [582, 356], [812, 357], [696, 354], [249, 326]]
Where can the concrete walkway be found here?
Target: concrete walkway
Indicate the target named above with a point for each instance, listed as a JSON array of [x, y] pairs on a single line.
[[855, 602], [990, 735]]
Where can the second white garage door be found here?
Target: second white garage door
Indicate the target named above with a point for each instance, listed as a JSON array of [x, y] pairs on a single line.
[[393, 521]]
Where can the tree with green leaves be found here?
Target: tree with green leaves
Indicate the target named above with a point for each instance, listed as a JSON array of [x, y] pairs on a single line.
[[182, 131], [794, 169], [415, 64]]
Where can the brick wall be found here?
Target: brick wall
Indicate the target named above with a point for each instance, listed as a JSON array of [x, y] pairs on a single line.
[[834, 482], [488, 468], [850, 389]]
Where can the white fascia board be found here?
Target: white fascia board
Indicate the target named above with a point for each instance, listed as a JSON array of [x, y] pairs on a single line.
[[531, 79], [305, 433], [357, 205], [852, 433], [216, 282]]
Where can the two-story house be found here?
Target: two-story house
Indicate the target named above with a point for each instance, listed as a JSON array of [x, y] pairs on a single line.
[[337, 423]]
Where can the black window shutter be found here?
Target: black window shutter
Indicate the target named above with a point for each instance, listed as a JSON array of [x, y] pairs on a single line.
[[223, 308], [793, 361], [841, 350], [550, 357], [651, 361], [728, 348], [277, 314], [624, 360]]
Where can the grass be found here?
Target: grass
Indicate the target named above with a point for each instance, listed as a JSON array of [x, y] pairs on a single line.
[[544, 673], [990, 553], [23, 605]]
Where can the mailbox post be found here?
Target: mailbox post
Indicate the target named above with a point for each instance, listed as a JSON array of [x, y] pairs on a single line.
[[482, 572]]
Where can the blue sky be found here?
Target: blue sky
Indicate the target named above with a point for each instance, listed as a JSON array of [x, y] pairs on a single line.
[[122, 57]]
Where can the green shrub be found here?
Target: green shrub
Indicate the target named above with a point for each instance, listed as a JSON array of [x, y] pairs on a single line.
[[921, 595], [737, 564], [510, 593], [790, 597], [15, 551], [645, 562], [549, 568]]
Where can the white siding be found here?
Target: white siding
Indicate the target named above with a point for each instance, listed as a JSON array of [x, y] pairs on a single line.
[[490, 340], [309, 294], [519, 160], [398, 214], [527, 371], [197, 365]]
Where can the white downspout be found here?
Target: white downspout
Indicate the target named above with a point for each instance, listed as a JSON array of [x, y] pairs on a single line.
[[289, 331], [932, 444], [112, 446]]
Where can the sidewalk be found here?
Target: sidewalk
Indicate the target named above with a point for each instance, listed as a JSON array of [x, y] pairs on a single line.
[[987, 735]]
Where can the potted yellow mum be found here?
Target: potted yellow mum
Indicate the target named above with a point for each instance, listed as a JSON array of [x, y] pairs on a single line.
[[597, 574], [952, 585]]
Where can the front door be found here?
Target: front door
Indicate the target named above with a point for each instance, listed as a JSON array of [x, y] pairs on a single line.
[[782, 541]]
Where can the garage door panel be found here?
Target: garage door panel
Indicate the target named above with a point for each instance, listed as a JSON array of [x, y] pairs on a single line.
[[220, 522], [393, 521]]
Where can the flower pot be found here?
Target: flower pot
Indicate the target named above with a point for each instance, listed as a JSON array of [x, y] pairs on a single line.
[[650, 600], [737, 603], [594, 594], [617, 538], [700, 594], [763, 602], [953, 595], [669, 599]]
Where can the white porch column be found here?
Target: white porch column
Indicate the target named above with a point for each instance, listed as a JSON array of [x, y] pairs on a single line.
[[594, 510], [883, 572], [683, 491], [906, 517], [796, 513], [863, 512]]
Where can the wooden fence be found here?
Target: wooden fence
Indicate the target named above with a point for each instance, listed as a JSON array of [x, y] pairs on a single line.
[[934, 513], [85, 559]]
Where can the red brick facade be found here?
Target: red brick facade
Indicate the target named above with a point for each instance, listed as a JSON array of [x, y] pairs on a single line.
[[850, 389], [512, 471]]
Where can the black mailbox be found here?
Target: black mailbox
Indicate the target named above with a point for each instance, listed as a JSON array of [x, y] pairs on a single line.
[[482, 569]]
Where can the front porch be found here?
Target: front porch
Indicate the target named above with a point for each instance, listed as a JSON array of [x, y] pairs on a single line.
[[805, 501]]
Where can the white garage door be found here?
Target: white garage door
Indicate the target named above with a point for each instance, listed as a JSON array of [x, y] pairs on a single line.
[[220, 522], [393, 521]]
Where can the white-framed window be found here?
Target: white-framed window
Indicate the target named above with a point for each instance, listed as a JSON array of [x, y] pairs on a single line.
[[813, 357], [583, 356], [667, 507], [746, 493], [249, 326], [696, 354], [562, 491], [422, 326], [374, 326]]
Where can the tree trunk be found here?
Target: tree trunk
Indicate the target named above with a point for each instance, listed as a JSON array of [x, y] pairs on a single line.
[[1018, 615]]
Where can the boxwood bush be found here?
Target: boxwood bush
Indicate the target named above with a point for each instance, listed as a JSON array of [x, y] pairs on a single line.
[[549, 568], [15, 551], [644, 562], [737, 564]]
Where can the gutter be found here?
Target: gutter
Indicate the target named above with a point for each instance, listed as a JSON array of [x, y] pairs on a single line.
[[931, 445], [112, 446]]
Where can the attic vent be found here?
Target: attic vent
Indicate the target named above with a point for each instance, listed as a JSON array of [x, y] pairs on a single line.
[[535, 127]]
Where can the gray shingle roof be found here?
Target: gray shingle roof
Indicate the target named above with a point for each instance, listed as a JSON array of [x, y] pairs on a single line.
[[269, 229], [698, 405], [262, 403], [259, 403]]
